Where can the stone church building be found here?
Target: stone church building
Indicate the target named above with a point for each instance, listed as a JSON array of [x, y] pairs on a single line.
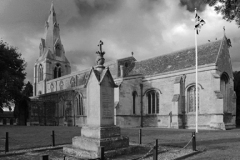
[[155, 92]]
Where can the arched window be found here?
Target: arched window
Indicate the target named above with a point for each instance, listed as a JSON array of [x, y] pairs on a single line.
[[191, 99], [224, 90], [153, 102], [40, 73], [57, 71], [79, 105], [134, 94]]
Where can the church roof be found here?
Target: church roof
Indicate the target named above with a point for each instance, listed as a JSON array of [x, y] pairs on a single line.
[[207, 54]]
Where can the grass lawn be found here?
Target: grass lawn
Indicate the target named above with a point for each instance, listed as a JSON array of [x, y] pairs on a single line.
[[23, 137]]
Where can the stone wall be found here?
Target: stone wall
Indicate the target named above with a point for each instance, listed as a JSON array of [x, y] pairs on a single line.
[[44, 109], [210, 106]]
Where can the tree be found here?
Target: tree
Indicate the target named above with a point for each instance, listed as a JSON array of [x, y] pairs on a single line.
[[28, 90], [21, 110], [236, 75], [12, 74], [230, 9]]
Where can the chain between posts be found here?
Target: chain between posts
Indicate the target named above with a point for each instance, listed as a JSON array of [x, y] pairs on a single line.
[[153, 147]]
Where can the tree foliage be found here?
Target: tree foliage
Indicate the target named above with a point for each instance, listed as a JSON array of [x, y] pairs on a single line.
[[28, 90], [230, 9], [21, 106], [236, 75], [12, 74]]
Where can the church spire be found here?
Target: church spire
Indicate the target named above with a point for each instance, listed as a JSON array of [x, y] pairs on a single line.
[[52, 31]]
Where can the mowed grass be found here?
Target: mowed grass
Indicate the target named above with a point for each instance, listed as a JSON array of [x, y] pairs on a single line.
[[25, 137]]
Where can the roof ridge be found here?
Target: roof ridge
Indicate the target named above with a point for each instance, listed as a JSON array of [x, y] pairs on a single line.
[[224, 38], [177, 51]]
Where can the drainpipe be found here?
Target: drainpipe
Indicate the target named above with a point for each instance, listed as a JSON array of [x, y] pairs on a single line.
[[141, 104]]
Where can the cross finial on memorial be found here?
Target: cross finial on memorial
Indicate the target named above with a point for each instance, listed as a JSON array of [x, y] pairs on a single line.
[[100, 45], [100, 60]]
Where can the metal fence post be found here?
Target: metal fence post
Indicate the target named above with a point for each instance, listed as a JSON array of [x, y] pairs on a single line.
[[6, 143], [194, 141], [140, 136], [53, 138], [44, 157], [102, 153], [155, 151]]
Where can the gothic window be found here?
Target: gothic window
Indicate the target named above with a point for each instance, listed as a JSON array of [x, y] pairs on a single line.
[[153, 102], [224, 90], [134, 94], [57, 71], [72, 82], [61, 85], [40, 73], [191, 99], [79, 105]]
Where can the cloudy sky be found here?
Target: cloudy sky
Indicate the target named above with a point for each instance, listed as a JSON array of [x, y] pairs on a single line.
[[146, 27]]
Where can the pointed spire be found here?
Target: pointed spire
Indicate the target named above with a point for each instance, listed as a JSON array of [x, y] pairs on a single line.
[[52, 31], [52, 8]]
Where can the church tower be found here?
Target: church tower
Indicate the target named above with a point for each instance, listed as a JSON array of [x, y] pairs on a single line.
[[52, 62]]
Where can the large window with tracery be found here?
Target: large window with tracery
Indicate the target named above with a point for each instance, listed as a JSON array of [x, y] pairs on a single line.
[[57, 71], [40, 73], [153, 102], [191, 99], [79, 105]]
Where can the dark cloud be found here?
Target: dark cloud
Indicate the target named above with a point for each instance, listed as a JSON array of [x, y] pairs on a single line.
[[149, 5], [192, 4], [88, 8], [93, 9]]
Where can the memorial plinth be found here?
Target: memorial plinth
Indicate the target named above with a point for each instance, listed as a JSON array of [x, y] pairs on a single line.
[[100, 129]]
